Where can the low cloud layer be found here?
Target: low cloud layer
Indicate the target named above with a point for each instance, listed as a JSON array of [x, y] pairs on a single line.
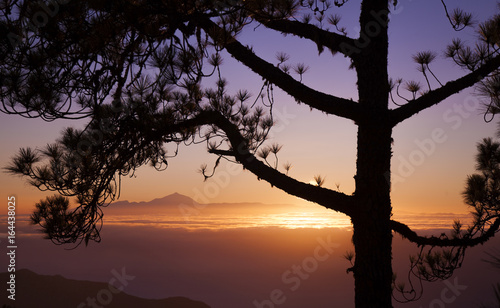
[[238, 267]]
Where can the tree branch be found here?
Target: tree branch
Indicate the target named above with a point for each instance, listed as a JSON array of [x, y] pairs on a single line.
[[328, 198], [436, 96], [327, 103], [240, 151], [322, 38], [412, 236]]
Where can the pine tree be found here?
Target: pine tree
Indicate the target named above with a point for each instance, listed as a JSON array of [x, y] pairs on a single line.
[[134, 69]]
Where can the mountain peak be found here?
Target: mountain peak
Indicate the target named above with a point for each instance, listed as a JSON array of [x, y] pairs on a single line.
[[173, 199], [169, 201]]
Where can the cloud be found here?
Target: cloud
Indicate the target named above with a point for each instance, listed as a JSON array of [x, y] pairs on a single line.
[[230, 267]]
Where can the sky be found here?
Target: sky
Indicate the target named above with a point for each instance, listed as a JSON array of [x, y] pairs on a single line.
[[433, 153], [427, 176]]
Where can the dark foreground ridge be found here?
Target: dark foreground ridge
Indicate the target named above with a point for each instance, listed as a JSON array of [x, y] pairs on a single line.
[[43, 291]]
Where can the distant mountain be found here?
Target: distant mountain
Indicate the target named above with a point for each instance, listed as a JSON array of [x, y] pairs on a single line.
[[174, 199], [177, 202], [33, 290]]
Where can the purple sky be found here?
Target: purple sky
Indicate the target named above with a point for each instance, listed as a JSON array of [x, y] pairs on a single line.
[[434, 183]]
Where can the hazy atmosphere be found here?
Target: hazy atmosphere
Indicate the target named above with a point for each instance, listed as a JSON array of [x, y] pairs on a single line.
[[236, 258]]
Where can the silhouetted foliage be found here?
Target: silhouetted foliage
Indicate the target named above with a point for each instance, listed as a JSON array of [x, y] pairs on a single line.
[[482, 195], [138, 69]]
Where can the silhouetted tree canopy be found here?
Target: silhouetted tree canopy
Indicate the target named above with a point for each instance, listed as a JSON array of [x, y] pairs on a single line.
[[136, 70]]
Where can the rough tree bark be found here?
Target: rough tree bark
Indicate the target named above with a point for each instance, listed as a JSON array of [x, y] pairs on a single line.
[[372, 236]]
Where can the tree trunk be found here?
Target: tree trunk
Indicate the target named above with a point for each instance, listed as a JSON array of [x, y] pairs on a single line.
[[372, 236], [373, 270]]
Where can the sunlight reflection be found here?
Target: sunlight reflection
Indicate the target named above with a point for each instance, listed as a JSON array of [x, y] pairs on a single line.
[[288, 220]]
